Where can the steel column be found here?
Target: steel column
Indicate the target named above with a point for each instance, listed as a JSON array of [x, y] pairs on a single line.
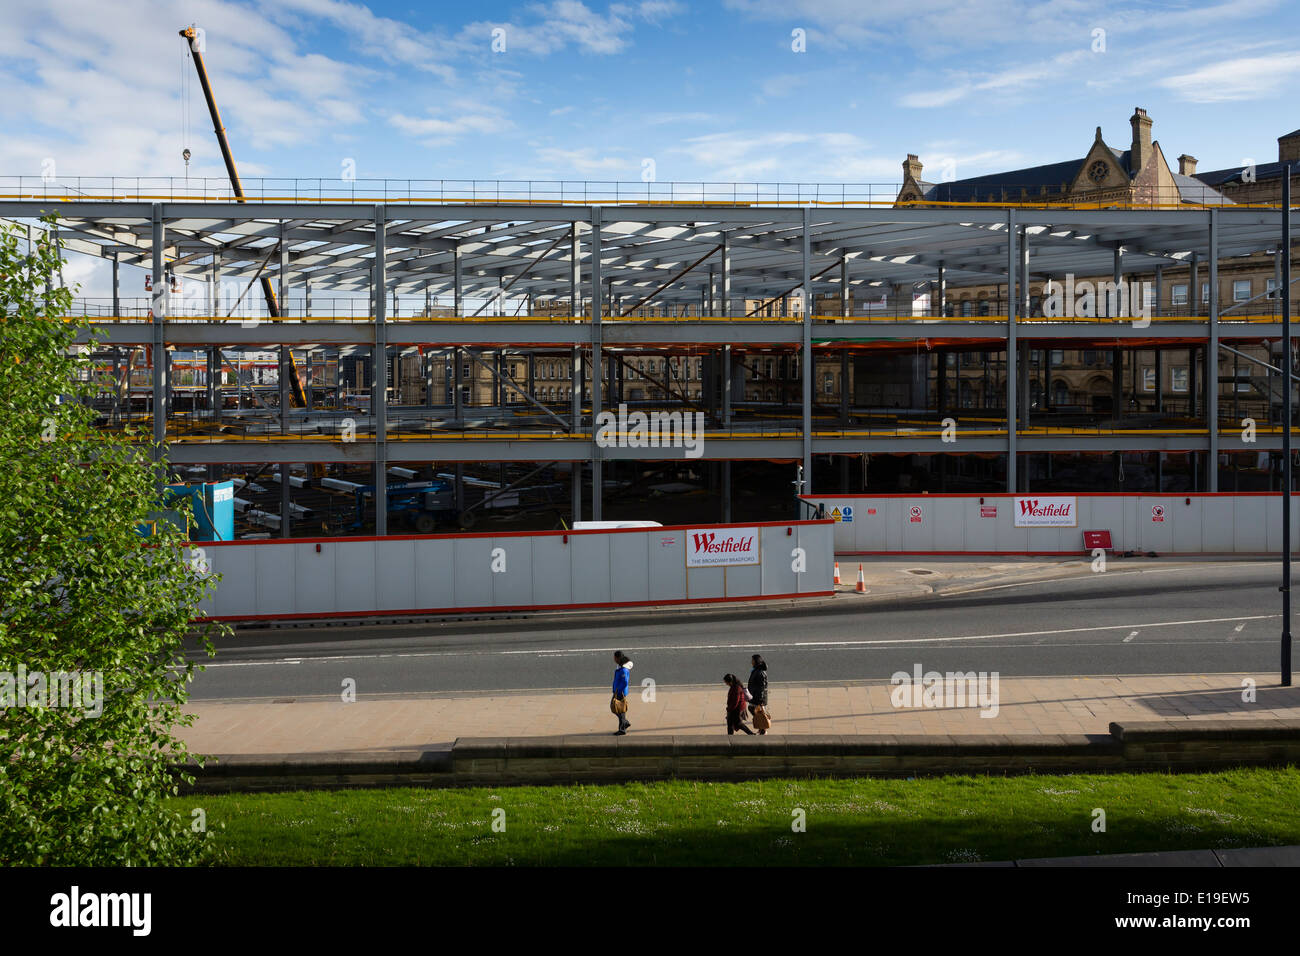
[[159, 316], [1011, 354], [805, 365], [1287, 391], [379, 381], [1212, 361], [597, 361]]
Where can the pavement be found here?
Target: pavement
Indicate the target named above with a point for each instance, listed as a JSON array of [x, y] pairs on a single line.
[[895, 578], [1033, 705]]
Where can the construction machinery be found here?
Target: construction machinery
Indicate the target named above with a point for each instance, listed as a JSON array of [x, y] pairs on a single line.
[[190, 35]]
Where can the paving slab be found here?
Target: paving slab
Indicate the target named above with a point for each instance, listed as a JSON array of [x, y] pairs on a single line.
[[828, 710]]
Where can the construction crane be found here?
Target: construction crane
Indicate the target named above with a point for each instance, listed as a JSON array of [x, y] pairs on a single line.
[[298, 396]]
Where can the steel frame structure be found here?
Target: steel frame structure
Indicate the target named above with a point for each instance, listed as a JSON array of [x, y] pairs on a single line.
[[595, 258]]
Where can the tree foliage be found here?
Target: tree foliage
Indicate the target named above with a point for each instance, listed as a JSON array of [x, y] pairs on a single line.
[[83, 592]]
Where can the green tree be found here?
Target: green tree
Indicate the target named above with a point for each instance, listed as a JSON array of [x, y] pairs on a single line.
[[83, 592]]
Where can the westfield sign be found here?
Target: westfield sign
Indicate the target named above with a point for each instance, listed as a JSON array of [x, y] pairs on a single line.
[[721, 547], [1043, 511]]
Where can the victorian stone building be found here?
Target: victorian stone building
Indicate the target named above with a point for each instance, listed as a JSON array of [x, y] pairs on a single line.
[[1142, 380]]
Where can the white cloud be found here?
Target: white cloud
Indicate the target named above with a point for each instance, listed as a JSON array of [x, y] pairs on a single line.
[[562, 24], [101, 94], [437, 130], [1009, 82], [1246, 78], [565, 162]]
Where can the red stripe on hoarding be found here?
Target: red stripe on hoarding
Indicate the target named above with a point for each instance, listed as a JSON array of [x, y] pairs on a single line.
[[319, 615]]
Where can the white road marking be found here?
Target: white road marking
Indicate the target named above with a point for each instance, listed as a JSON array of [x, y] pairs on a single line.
[[962, 592], [1130, 637], [569, 651]]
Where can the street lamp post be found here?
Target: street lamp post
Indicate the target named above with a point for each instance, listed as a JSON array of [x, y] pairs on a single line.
[[1286, 425]]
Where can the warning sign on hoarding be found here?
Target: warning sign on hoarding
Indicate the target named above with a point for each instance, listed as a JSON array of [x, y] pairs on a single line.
[[1046, 511], [914, 514], [716, 547], [988, 511], [1157, 512], [848, 514], [835, 515]]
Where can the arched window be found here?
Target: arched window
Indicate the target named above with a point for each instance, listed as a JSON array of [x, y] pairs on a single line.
[[1060, 394]]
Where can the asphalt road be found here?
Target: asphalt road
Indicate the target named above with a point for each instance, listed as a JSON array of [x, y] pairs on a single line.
[[1203, 619]]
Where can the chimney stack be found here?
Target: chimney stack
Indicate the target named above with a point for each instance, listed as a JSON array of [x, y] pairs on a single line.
[[1186, 165], [1288, 147], [1140, 151], [912, 167]]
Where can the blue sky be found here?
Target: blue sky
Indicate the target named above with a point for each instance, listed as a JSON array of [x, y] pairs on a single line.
[[589, 90]]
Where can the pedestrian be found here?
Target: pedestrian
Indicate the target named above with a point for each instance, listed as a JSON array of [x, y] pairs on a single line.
[[618, 703], [758, 693], [735, 705]]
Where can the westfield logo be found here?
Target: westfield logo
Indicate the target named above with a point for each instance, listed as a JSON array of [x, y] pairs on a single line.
[[1030, 506], [709, 544]]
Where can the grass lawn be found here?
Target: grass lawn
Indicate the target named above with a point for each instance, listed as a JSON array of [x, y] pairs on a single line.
[[861, 821]]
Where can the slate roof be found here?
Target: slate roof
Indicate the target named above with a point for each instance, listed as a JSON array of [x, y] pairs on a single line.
[[1033, 179], [1191, 189], [1053, 176], [1219, 177]]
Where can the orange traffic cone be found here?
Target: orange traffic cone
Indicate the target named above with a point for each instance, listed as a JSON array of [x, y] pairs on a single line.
[[837, 572], [862, 581]]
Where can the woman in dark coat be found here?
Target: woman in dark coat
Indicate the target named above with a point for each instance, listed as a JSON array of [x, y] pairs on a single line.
[[758, 686], [735, 705]]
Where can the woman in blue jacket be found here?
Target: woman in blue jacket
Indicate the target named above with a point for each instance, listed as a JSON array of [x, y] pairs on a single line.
[[622, 676]]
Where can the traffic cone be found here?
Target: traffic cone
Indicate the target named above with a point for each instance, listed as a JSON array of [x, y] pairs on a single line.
[[862, 581], [837, 572]]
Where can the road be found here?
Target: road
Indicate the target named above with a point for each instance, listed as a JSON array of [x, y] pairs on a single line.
[[1202, 619]]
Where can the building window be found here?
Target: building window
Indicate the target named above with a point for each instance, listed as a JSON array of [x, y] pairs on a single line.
[[1060, 394], [1058, 356], [1178, 295], [467, 371], [1240, 290], [1205, 293], [1271, 288], [1178, 378], [828, 383], [1148, 378]]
